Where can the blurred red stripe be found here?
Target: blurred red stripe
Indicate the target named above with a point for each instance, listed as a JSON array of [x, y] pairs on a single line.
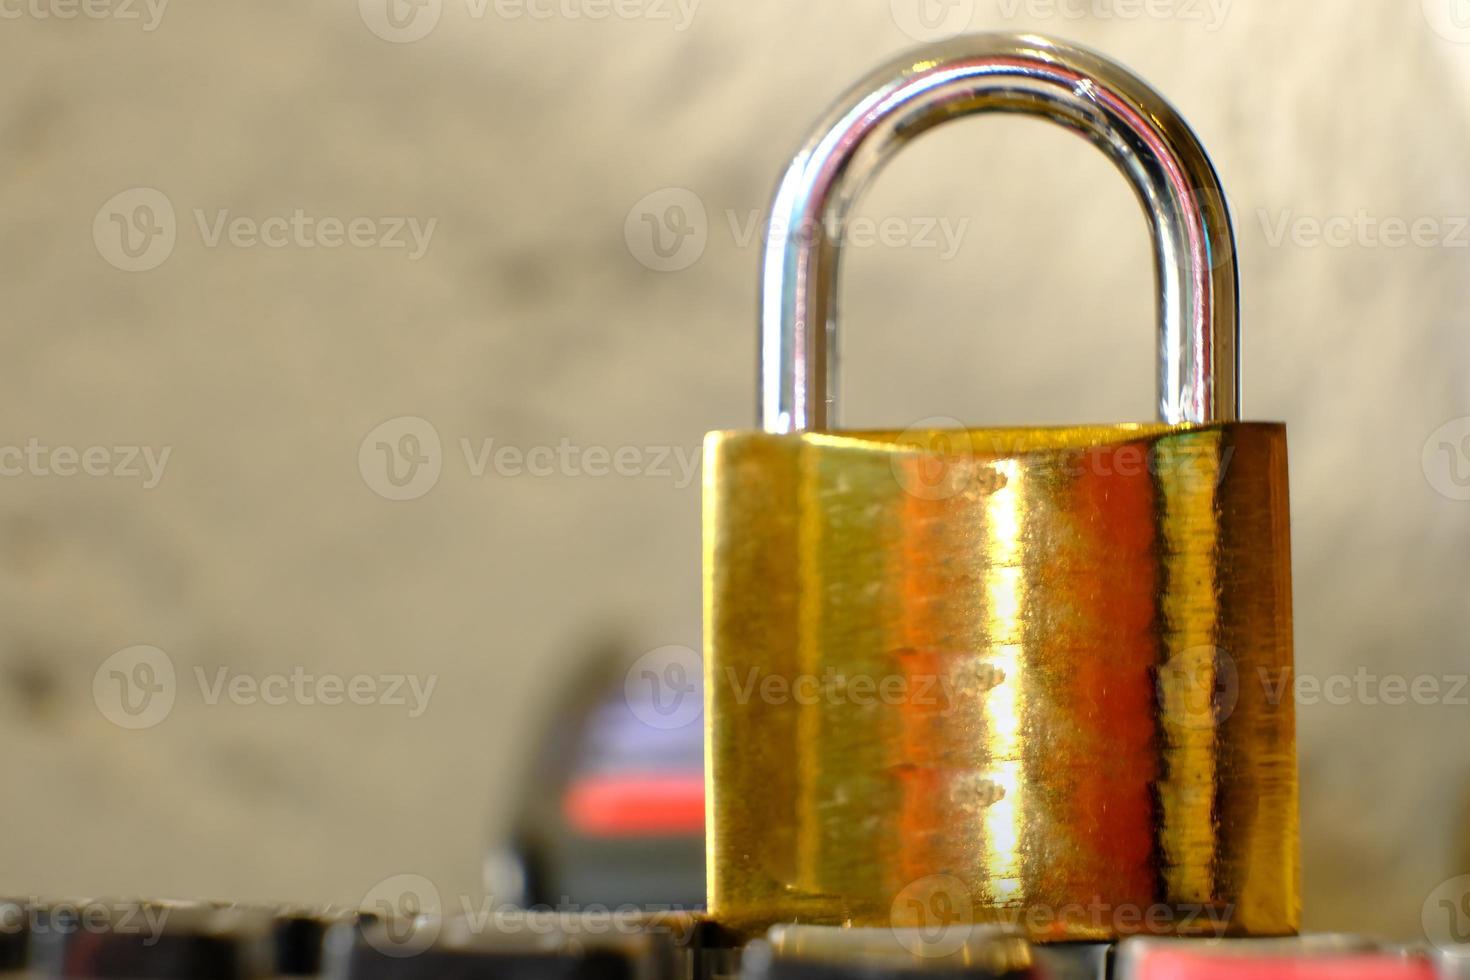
[[1180, 965], [636, 805]]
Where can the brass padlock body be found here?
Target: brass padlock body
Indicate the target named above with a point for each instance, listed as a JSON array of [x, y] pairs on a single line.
[[1035, 676]]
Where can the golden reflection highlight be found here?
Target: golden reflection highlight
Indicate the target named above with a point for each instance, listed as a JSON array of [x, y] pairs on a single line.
[[1005, 589]]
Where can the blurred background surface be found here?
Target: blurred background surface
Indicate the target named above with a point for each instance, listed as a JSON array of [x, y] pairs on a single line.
[[325, 321]]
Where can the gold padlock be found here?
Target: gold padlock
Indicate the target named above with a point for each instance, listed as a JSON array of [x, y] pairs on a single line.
[[1037, 677]]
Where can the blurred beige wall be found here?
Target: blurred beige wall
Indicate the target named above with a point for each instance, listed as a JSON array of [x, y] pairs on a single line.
[[534, 316]]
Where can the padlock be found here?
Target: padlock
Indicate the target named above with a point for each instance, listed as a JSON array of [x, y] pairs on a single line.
[[1041, 677]]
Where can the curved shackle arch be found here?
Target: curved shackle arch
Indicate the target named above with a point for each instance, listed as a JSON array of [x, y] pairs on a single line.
[[1194, 243]]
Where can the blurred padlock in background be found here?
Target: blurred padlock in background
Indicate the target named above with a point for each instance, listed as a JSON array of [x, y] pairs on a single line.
[[358, 356]]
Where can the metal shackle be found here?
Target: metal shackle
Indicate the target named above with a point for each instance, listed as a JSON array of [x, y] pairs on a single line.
[[1194, 244]]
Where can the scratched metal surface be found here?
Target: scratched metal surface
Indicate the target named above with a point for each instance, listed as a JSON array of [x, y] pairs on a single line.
[[1005, 676]]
